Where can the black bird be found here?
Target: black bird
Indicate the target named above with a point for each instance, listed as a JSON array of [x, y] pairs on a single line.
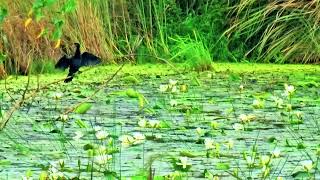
[[74, 63]]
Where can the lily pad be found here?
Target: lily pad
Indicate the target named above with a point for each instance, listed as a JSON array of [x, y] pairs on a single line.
[[83, 108]]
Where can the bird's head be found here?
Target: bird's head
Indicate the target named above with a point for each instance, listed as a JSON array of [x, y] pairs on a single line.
[[77, 45]]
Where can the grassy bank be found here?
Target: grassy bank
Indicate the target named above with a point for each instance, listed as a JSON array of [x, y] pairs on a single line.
[[187, 30]]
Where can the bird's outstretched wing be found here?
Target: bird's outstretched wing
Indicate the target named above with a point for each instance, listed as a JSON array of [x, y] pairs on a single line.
[[63, 63], [88, 59]]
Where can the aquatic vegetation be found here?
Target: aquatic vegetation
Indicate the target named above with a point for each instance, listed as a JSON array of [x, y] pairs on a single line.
[[184, 163], [214, 130]]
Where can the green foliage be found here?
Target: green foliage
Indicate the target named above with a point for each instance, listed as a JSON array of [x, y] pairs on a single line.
[[264, 31], [42, 66], [131, 93], [81, 124], [68, 7], [208, 19], [3, 14], [192, 52], [278, 31], [83, 108]]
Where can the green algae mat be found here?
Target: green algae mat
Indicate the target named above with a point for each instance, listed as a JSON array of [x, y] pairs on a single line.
[[238, 121]]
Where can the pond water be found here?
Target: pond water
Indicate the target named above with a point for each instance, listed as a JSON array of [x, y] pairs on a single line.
[[34, 138]]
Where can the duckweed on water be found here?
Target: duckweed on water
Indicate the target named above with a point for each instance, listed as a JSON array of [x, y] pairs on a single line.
[[237, 121]]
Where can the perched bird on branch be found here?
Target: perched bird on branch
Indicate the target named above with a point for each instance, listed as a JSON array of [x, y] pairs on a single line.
[[74, 63]]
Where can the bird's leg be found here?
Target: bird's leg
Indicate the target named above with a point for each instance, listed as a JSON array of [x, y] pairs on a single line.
[[69, 77]]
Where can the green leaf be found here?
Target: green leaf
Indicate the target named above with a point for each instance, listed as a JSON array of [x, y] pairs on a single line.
[[57, 33], [69, 6], [234, 77], [159, 178], [138, 178], [131, 93], [3, 57], [196, 81], [5, 162], [222, 166], [38, 4], [88, 146], [38, 15], [58, 23], [49, 2], [131, 80], [81, 123], [141, 101], [301, 175], [188, 154], [83, 108], [3, 14]]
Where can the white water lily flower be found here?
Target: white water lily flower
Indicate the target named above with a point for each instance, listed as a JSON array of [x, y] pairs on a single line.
[[238, 127], [243, 117], [172, 82], [26, 178], [289, 89], [64, 117], [102, 159], [279, 103], [214, 124], [142, 123], [78, 135], [54, 173], [258, 104], [101, 134], [158, 136], [289, 107], [265, 160], [139, 138], [173, 103], [241, 87], [307, 164], [229, 144], [57, 95], [97, 128], [183, 162], [174, 89], [246, 118], [276, 152], [154, 123], [250, 160], [163, 88], [126, 140], [298, 114], [208, 143], [101, 150], [200, 131], [215, 178]]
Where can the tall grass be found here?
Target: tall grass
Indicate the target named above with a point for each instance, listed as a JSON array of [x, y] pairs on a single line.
[[112, 29], [279, 31], [193, 52], [106, 28]]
